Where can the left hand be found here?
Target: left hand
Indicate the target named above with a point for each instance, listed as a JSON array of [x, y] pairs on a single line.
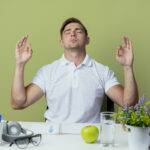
[[124, 53]]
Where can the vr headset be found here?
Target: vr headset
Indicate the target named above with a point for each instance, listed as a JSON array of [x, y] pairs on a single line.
[[13, 130]]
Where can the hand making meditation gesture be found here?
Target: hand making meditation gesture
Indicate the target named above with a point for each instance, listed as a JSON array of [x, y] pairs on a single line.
[[124, 54], [23, 51]]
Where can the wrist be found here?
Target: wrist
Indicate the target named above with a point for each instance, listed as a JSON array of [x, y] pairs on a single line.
[[20, 65], [128, 68]]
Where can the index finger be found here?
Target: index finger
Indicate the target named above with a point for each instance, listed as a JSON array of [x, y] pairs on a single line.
[[124, 40], [22, 41]]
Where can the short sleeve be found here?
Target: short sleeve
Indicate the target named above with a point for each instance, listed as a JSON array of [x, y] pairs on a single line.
[[39, 79], [110, 79]]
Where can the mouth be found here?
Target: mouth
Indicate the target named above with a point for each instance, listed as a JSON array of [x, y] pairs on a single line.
[[73, 40]]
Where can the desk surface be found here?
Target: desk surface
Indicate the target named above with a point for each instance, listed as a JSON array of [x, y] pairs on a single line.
[[58, 140]]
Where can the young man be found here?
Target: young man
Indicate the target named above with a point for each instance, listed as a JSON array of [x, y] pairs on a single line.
[[75, 84]]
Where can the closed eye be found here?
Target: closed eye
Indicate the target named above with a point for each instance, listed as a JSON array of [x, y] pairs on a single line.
[[68, 31], [79, 31]]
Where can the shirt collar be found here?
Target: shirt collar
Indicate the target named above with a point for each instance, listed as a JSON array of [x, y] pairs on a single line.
[[87, 61]]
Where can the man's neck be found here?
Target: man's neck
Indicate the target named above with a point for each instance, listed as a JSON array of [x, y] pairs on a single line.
[[77, 56]]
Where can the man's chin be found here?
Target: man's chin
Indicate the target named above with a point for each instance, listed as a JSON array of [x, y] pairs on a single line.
[[73, 49]]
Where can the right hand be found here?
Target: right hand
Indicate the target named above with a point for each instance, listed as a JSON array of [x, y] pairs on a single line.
[[23, 51]]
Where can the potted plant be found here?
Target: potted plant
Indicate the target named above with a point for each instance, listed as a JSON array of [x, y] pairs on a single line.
[[136, 119]]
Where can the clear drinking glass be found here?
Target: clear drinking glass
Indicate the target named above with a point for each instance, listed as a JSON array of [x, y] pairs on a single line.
[[107, 128]]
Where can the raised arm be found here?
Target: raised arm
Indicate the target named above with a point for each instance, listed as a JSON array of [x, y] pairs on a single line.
[[128, 93], [22, 96]]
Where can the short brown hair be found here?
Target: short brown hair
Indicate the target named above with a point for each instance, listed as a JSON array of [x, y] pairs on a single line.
[[72, 20]]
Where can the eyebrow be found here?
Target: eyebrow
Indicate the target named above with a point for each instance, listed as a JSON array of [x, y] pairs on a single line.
[[75, 29]]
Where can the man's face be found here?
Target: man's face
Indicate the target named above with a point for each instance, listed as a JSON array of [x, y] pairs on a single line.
[[74, 37]]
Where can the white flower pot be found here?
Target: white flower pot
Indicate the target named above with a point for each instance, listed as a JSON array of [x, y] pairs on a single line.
[[138, 138]]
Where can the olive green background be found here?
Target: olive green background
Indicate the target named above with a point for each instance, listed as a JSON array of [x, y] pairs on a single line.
[[106, 21]]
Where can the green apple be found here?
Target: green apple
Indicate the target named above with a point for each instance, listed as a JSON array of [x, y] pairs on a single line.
[[90, 133]]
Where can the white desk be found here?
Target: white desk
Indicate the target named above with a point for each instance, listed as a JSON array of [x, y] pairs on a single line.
[[59, 141]]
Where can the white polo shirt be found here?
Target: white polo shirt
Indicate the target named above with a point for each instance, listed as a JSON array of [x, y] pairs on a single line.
[[74, 94]]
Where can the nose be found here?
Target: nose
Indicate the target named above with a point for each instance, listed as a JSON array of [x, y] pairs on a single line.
[[73, 33]]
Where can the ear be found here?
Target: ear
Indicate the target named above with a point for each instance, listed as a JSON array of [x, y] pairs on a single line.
[[61, 43], [87, 40]]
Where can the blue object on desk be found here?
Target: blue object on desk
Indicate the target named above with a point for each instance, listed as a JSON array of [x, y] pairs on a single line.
[[0, 117], [51, 129]]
